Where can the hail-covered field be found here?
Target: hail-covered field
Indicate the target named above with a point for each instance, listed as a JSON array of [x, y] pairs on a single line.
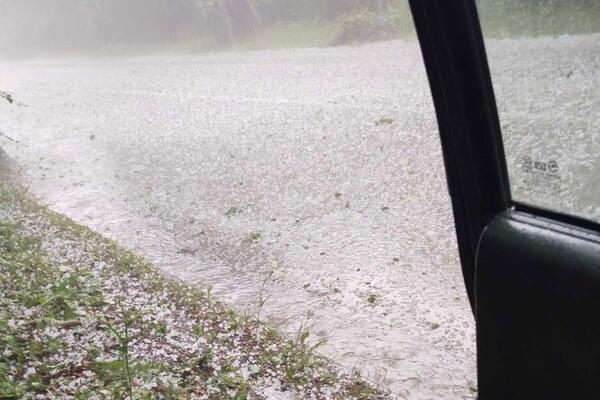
[[292, 182]]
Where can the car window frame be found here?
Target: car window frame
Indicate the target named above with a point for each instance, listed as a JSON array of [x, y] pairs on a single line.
[[453, 49]]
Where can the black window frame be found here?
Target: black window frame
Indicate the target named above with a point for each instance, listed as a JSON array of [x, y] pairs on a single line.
[[453, 50]]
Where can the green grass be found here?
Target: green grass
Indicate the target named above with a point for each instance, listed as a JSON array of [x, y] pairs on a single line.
[[253, 237], [372, 298], [62, 284], [312, 33]]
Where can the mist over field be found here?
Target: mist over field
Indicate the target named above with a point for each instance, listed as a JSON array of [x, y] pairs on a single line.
[[113, 25], [38, 27]]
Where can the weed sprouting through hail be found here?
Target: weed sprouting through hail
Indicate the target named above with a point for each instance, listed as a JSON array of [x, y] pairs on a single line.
[[123, 338]]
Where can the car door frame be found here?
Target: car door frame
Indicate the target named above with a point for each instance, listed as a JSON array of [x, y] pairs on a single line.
[[454, 55], [531, 274]]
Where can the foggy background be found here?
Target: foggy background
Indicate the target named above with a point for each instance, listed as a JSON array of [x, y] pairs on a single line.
[[116, 25], [74, 26]]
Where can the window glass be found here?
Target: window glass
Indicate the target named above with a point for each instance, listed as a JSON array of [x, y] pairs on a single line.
[[544, 58]]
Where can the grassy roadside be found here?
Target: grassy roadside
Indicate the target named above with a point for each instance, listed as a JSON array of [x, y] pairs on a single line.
[[82, 318]]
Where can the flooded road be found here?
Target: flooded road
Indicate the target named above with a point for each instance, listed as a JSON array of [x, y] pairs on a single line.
[[312, 179]]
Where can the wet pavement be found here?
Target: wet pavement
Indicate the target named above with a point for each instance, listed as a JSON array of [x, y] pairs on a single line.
[[312, 179]]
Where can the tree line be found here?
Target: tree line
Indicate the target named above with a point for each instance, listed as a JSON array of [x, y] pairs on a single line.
[[130, 22], [221, 23]]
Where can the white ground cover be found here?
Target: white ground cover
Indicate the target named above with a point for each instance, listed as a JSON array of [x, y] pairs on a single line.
[[82, 318]]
